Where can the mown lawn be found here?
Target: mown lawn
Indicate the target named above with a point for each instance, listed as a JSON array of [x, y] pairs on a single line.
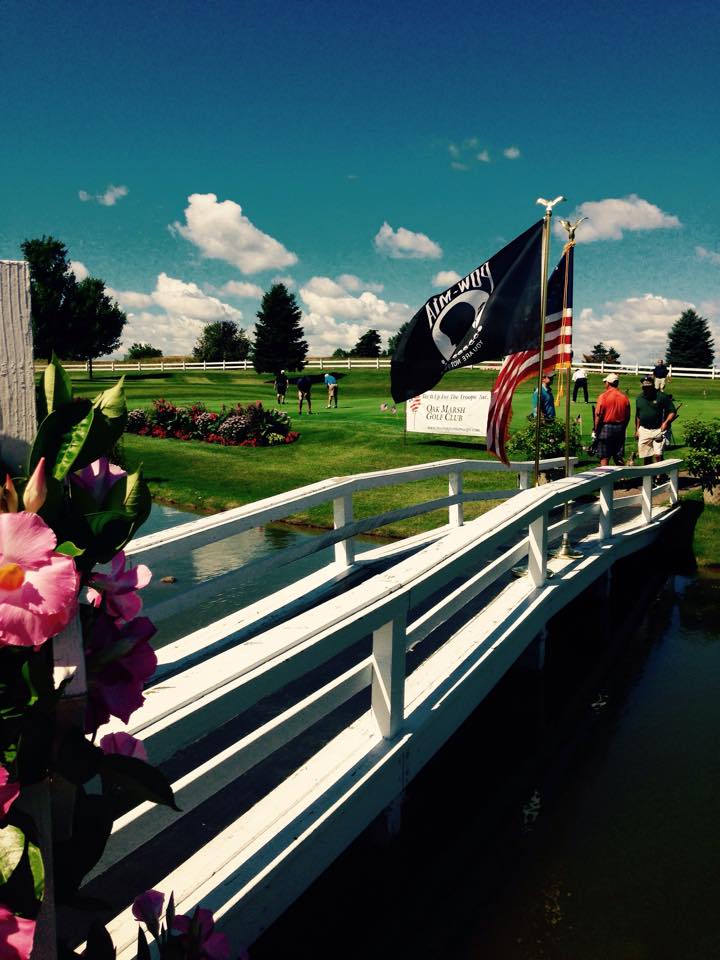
[[354, 438]]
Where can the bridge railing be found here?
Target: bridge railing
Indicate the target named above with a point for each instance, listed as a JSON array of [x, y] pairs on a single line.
[[338, 491], [242, 872]]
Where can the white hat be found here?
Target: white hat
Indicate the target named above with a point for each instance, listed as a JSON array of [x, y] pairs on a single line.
[[611, 378]]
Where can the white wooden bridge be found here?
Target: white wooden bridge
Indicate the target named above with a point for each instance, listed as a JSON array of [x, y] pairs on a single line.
[[288, 726]]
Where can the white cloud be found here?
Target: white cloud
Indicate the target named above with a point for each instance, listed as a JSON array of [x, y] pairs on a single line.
[[402, 244], [108, 199], [172, 317], [222, 232], [352, 283], [286, 280], [240, 288], [445, 278], [637, 327], [705, 254], [457, 165], [336, 318], [512, 153], [607, 219], [483, 156], [79, 269]]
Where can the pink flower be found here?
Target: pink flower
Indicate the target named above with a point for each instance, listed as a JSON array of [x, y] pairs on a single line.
[[119, 660], [98, 478], [200, 930], [148, 908], [35, 492], [124, 744], [38, 588], [8, 791], [16, 935], [118, 587]]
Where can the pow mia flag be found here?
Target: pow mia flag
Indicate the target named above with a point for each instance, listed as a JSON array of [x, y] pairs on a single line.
[[490, 313]]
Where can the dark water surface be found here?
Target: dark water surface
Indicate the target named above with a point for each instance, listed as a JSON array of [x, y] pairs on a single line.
[[575, 816]]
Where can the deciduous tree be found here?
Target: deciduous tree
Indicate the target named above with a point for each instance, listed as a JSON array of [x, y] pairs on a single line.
[[222, 340], [142, 351], [78, 321]]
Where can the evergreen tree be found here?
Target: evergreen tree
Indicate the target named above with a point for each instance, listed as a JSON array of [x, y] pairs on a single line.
[[602, 354], [222, 340], [690, 343], [279, 343], [368, 345], [78, 321], [395, 339]]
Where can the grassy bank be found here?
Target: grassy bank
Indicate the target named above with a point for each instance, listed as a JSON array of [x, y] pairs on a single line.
[[356, 437]]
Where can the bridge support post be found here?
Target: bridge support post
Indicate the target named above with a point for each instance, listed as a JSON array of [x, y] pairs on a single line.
[[537, 550], [674, 474], [388, 683], [342, 515], [606, 511], [647, 498], [456, 513]]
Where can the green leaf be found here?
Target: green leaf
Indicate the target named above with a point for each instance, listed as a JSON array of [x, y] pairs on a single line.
[[128, 777], [99, 943], [143, 950], [69, 549], [73, 444], [111, 402], [138, 501], [37, 869], [52, 431], [57, 386], [78, 760], [110, 532], [74, 858], [12, 847]]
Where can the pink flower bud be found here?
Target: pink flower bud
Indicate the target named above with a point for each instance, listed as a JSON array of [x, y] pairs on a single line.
[[35, 492], [8, 496]]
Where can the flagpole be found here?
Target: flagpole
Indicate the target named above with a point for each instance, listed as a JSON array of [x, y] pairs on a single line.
[[565, 550], [544, 258]]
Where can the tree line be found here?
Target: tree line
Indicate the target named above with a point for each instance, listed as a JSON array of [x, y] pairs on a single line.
[[78, 320]]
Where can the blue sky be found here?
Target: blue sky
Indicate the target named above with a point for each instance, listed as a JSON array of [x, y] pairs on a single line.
[[192, 153]]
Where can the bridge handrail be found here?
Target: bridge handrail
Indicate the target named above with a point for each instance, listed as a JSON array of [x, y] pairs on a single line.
[[214, 692]]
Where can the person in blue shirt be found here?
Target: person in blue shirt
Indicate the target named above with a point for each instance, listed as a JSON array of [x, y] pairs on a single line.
[[547, 400], [332, 389]]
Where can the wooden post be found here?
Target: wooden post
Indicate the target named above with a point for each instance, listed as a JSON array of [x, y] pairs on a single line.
[[674, 483], [18, 422], [343, 515], [456, 513], [388, 684], [524, 479], [537, 550], [606, 511], [647, 498]]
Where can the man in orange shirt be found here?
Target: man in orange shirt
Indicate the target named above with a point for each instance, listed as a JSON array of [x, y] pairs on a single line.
[[612, 415]]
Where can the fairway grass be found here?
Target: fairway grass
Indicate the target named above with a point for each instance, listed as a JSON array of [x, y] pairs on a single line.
[[357, 437]]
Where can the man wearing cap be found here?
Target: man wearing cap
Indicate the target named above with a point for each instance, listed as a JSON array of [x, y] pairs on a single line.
[[612, 415], [654, 412], [547, 401]]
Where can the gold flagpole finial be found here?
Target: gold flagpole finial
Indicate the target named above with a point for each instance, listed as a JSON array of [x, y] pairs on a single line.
[[572, 227]]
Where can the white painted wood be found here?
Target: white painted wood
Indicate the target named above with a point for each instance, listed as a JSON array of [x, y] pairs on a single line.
[[606, 511], [674, 486], [18, 422], [537, 550], [455, 491], [388, 681], [342, 516], [647, 495], [250, 871]]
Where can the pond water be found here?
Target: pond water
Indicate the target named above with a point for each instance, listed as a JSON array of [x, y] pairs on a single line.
[[574, 819], [195, 566]]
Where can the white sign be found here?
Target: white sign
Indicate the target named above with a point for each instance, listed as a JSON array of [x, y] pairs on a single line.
[[444, 411]]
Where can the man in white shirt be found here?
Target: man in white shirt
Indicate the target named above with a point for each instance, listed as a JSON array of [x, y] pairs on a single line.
[[580, 383]]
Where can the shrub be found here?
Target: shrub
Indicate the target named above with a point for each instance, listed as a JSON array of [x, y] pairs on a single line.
[[552, 440], [703, 461], [137, 420]]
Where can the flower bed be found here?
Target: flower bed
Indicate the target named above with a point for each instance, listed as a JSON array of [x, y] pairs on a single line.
[[249, 426]]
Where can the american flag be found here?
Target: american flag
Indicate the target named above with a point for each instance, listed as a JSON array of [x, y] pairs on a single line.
[[521, 366]]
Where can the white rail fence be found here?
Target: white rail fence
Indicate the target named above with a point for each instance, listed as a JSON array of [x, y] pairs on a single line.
[[252, 868], [360, 363]]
